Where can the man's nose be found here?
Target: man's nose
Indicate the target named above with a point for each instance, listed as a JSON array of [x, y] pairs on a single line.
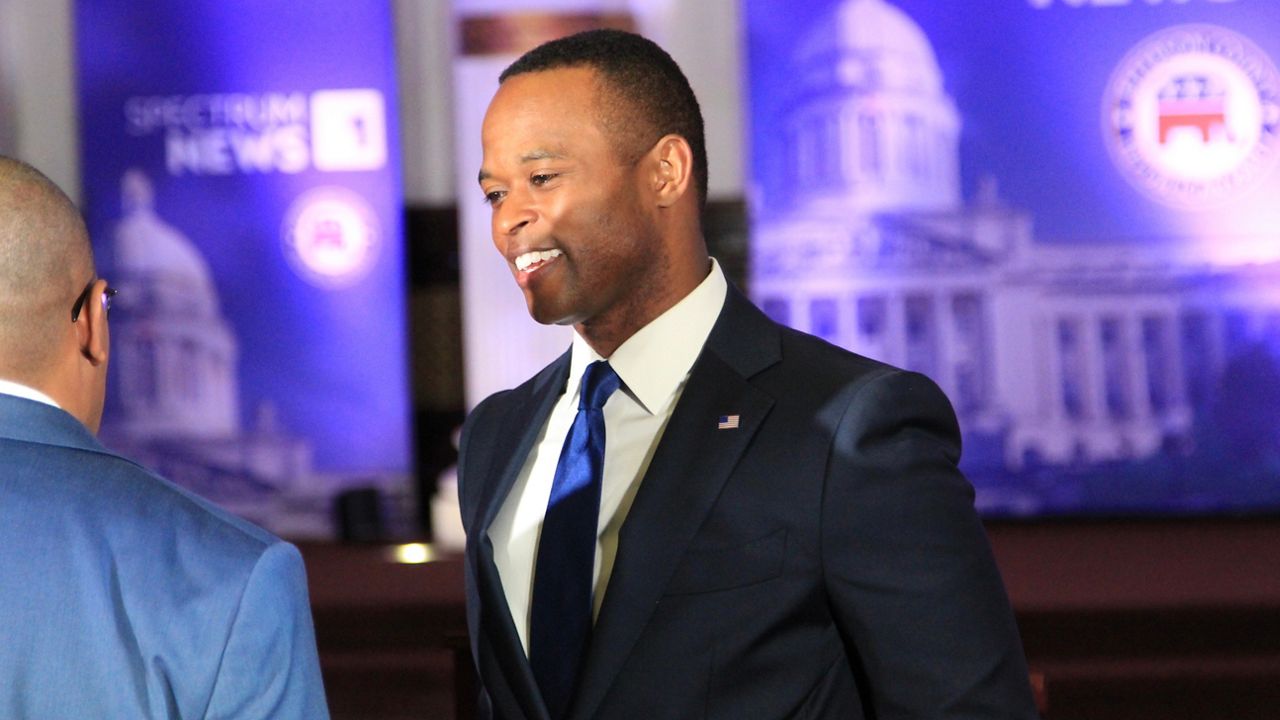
[[512, 217]]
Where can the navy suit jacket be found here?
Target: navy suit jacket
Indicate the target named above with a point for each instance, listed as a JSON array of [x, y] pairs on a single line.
[[123, 596], [821, 560]]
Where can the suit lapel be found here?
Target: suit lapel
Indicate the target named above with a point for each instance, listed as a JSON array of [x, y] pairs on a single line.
[[529, 410], [689, 468]]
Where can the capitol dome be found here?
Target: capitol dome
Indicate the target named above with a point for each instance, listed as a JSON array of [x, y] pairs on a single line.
[[868, 127], [173, 352], [870, 42], [148, 247]]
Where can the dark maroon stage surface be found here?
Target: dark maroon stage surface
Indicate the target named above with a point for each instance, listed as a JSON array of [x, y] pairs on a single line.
[[1122, 620], [1152, 619]]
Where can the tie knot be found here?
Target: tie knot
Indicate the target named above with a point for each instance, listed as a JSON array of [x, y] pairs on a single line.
[[598, 383]]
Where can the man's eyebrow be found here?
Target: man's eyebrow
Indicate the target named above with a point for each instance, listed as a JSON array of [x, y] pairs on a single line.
[[542, 155], [531, 156]]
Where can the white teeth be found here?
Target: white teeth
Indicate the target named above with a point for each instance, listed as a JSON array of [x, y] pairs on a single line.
[[527, 260]]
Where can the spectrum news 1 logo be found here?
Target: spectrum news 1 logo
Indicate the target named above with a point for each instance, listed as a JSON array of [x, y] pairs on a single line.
[[332, 130]]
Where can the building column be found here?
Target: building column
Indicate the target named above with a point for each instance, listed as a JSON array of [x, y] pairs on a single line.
[[850, 331], [1095, 385], [1139, 392], [895, 328], [163, 369], [944, 316], [1056, 373], [1216, 344], [801, 317], [1050, 426], [1177, 370]]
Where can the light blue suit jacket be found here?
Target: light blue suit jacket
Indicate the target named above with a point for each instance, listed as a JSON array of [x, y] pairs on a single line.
[[124, 596]]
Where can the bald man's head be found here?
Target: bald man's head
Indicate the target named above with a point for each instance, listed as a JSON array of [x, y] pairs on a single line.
[[45, 261]]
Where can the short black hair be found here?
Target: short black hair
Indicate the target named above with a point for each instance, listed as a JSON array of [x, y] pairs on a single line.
[[654, 95]]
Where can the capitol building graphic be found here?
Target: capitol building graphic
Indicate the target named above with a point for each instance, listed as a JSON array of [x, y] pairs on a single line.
[[1058, 359], [175, 397]]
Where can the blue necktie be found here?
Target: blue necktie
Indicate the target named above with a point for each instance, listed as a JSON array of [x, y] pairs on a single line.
[[560, 622]]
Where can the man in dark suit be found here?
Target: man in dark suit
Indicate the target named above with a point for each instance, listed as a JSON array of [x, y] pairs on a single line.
[[695, 512], [121, 595]]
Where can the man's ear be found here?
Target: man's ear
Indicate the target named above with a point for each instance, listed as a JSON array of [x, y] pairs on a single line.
[[672, 169], [91, 330]]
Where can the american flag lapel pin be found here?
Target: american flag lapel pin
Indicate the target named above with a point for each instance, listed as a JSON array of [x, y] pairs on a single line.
[[727, 422]]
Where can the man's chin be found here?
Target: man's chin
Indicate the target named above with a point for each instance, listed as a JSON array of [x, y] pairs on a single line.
[[550, 314], [553, 319]]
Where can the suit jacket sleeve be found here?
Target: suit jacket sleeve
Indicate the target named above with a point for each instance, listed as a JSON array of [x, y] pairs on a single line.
[[469, 491], [915, 589], [269, 667], [466, 490]]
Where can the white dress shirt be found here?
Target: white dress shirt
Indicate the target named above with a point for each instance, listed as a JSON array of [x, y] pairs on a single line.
[[9, 387], [653, 364]]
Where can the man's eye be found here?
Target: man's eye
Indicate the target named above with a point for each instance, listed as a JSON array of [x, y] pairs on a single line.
[[493, 197], [541, 179]]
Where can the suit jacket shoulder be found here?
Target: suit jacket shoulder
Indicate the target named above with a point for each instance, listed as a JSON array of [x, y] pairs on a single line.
[[124, 595]]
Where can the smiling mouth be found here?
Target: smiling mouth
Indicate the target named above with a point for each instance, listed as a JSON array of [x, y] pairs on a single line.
[[531, 261]]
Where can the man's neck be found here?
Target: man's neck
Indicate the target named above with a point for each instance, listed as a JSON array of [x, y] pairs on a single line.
[[606, 335], [23, 390]]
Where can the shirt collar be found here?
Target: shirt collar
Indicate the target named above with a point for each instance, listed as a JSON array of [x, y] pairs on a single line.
[[9, 387], [654, 361]]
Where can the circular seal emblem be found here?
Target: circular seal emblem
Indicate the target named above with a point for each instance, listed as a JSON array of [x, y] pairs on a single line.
[[1191, 116], [331, 237]]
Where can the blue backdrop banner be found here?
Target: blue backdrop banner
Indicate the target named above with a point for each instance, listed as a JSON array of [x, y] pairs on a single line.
[[241, 184], [1066, 212]]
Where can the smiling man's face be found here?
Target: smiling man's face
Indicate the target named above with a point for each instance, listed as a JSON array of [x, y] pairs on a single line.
[[570, 212]]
